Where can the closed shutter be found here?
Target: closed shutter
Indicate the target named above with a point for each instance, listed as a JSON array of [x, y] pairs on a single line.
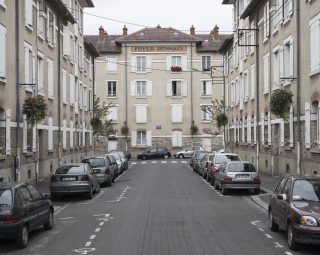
[[168, 63], [307, 125], [291, 127], [262, 128], [84, 134], [149, 64], [255, 130], [269, 128], [252, 80], [64, 86], [26, 65], [282, 133], [64, 134], [141, 113], [281, 62], [235, 132], [113, 114], [2, 51], [34, 138], [184, 63], [184, 88], [66, 41], [149, 88], [290, 9], [133, 64], [149, 138], [28, 12], [25, 134], [243, 132], [8, 132], [112, 65], [133, 88], [50, 77], [50, 134], [72, 84], [209, 89], [48, 25], [249, 130], [71, 134], [169, 88], [176, 113], [133, 138], [291, 58]]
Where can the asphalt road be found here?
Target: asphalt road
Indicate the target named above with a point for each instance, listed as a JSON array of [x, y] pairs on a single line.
[[158, 207]]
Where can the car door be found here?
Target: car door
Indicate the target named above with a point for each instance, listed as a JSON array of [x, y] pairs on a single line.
[[285, 204], [28, 207], [219, 174], [94, 178], [42, 205], [152, 153], [276, 202]]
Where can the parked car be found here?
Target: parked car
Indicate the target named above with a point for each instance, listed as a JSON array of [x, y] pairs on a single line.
[[22, 209], [186, 153], [237, 175], [196, 160], [215, 160], [127, 153], [203, 165], [103, 167], [113, 161], [123, 158], [295, 207], [153, 153], [74, 178], [120, 162]]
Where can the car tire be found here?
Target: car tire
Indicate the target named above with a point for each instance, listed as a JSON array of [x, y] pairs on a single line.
[[98, 187], [144, 157], [256, 191], [23, 237], [273, 226], [292, 244], [216, 186], [180, 156], [166, 156], [90, 193], [224, 191], [109, 183], [49, 224]]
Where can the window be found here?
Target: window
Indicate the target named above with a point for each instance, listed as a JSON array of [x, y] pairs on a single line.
[[40, 72], [141, 138], [112, 114], [176, 61], [28, 13], [24, 192], [40, 18], [80, 56], [72, 48], [112, 65], [141, 63], [176, 113], [64, 86], [205, 113], [72, 88], [80, 95], [3, 51], [245, 80], [276, 67], [266, 71], [141, 88], [314, 26], [111, 88], [266, 19], [35, 194], [176, 139], [141, 113], [51, 23], [206, 88], [29, 65], [252, 81], [287, 9], [90, 100], [206, 63], [287, 58]]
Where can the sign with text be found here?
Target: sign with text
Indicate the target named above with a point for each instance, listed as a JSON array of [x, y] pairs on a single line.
[[166, 48]]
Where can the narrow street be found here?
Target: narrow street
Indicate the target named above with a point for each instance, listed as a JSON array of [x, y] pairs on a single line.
[[158, 207]]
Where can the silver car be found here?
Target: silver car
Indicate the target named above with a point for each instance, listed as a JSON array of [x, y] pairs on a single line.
[[74, 178], [119, 162], [186, 153], [237, 175]]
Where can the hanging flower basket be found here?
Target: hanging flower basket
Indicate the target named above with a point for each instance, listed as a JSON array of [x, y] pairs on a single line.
[[176, 69], [124, 130], [35, 109], [221, 120], [194, 129], [280, 102]]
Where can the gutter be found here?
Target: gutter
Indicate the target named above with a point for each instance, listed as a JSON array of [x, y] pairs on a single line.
[[298, 88]]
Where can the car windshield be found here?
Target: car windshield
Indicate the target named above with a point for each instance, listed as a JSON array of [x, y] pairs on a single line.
[[5, 198], [308, 190], [116, 156], [241, 167], [80, 169], [120, 153], [223, 158], [95, 162]]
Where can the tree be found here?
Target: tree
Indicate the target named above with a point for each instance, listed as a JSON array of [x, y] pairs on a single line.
[[219, 118], [100, 126]]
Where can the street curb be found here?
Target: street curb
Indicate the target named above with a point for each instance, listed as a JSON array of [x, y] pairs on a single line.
[[258, 201]]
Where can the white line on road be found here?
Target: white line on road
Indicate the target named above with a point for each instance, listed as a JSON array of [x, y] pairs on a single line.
[[184, 162], [92, 237], [288, 253], [101, 223], [133, 163], [163, 162], [254, 223], [154, 162], [261, 229], [268, 236], [143, 163], [174, 162], [61, 208], [87, 244], [105, 215], [278, 245], [66, 218], [97, 230]]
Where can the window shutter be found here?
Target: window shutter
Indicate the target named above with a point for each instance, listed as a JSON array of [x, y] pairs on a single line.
[[281, 62], [2, 51], [133, 64], [169, 88], [176, 113], [50, 134], [255, 130], [282, 133], [71, 134], [269, 128], [184, 63], [48, 26], [64, 86], [262, 128], [149, 88], [54, 30], [112, 64], [34, 139], [253, 81], [291, 130], [168, 63], [25, 134], [8, 132], [185, 88], [34, 61], [249, 130], [174, 139], [242, 132], [141, 113], [149, 138], [290, 9], [66, 41], [83, 134], [64, 134], [318, 125], [72, 81], [28, 12], [179, 138], [209, 88], [50, 78], [292, 57], [133, 138], [133, 88], [149, 64], [307, 125], [235, 132], [26, 65]]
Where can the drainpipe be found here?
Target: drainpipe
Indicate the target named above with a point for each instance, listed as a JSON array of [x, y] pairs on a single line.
[[191, 90], [298, 88], [93, 98], [257, 94], [126, 102], [59, 91], [17, 157]]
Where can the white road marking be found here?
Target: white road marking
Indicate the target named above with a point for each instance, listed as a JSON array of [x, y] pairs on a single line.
[[93, 200], [84, 251], [92, 237], [254, 223], [61, 208], [268, 236], [66, 218], [105, 215], [174, 162], [133, 163], [261, 229], [101, 223], [154, 162], [278, 245], [87, 244], [143, 163], [288, 253], [97, 230], [163, 162], [184, 162]]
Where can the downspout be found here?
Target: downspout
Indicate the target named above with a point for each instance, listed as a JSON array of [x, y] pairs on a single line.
[[257, 93], [191, 91], [126, 101], [59, 90], [16, 173], [298, 89], [224, 98], [93, 97]]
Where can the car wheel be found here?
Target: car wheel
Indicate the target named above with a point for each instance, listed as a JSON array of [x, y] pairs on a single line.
[[216, 186], [272, 225], [256, 191], [223, 189], [109, 183], [180, 156], [23, 237], [49, 224], [290, 234], [98, 188], [144, 157], [53, 196], [90, 193], [166, 156]]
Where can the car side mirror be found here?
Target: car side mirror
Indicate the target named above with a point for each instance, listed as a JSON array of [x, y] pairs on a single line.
[[282, 197]]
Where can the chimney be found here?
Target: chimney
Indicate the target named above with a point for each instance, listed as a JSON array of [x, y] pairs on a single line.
[[101, 31], [215, 32], [192, 30], [125, 30]]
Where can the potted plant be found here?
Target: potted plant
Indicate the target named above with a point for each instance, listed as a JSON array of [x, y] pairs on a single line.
[[194, 129], [35, 109], [124, 130], [280, 102], [176, 69]]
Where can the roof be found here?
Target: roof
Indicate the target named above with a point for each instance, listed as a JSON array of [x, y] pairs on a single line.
[[158, 34], [250, 8], [226, 44], [63, 10], [105, 43], [91, 48], [209, 43]]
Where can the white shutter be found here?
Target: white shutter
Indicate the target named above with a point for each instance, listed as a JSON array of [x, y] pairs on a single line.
[[34, 61], [54, 30], [249, 130], [26, 65], [133, 138], [48, 26], [112, 114], [66, 41], [176, 113], [242, 132], [174, 139], [83, 134], [149, 88], [64, 134], [149, 64], [291, 56], [169, 89], [291, 127], [34, 138], [307, 125], [184, 88], [255, 130], [64, 86], [50, 134], [318, 125], [133, 64], [235, 132], [149, 139], [269, 128], [168, 63], [290, 9], [282, 133], [25, 134], [50, 77], [184, 63], [112, 64], [71, 134], [262, 128], [72, 84], [253, 80], [281, 62], [8, 132], [28, 12], [2, 51], [209, 88], [141, 113], [133, 88]]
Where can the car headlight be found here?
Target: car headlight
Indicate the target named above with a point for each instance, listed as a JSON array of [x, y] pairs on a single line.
[[308, 221]]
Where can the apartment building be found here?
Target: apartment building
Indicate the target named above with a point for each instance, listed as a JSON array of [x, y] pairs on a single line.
[[157, 79], [275, 46], [43, 53]]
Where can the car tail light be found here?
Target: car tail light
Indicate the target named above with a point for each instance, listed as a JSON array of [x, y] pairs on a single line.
[[227, 178], [256, 179], [85, 178], [10, 220], [53, 178]]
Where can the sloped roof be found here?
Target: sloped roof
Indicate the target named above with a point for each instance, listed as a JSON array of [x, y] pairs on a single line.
[[105, 43], [209, 43]]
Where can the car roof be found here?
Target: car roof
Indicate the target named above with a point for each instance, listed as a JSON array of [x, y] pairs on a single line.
[[92, 157], [222, 153], [11, 185], [302, 176]]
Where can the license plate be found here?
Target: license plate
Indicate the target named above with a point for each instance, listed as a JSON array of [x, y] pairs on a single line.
[[243, 176], [69, 178]]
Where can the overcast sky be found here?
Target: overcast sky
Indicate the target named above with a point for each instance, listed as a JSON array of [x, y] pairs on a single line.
[[179, 14]]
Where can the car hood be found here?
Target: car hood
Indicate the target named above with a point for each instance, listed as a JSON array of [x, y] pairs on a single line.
[[310, 207]]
